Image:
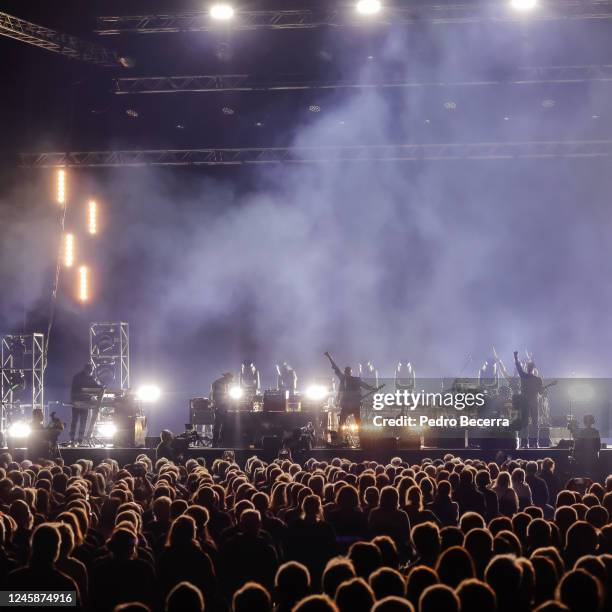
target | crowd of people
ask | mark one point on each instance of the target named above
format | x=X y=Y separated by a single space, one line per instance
x=446 y=535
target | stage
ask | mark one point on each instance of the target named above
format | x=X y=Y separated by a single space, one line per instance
x=128 y=455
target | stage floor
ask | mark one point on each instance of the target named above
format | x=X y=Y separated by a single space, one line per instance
x=128 y=455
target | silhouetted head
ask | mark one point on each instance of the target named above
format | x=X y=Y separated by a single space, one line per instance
x=588 y=420
x=185 y=596
x=530 y=367
x=348 y=371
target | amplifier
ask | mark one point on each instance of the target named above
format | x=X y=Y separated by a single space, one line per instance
x=275 y=401
x=200 y=411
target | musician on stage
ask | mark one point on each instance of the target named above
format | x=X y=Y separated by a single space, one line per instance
x=249 y=379
x=531 y=388
x=81 y=401
x=42 y=441
x=349 y=392
x=286 y=379
x=219 y=397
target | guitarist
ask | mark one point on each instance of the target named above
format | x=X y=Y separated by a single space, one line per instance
x=349 y=393
x=531 y=388
x=80 y=398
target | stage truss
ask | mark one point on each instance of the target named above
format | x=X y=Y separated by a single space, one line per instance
x=109 y=352
x=416 y=12
x=22 y=374
x=57 y=42
x=362 y=153
x=531 y=75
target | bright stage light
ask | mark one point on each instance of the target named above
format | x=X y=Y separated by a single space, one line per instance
x=316 y=392
x=236 y=392
x=105 y=429
x=83 y=283
x=523 y=5
x=148 y=394
x=368 y=7
x=222 y=11
x=92 y=217
x=19 y=430
x=61 y=186
x=69 y=250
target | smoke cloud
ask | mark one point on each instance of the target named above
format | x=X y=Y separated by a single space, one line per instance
x=429 y=262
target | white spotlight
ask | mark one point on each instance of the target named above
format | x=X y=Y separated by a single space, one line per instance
x=19 y=430
x=148 y=394
x=221 y=11
x=523 y=5
x=236 y=392
x=368 y=7
x=316 y=393
x=106 y=429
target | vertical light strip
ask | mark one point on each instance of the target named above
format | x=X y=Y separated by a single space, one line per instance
x=69 y=250
x=61 y=186
x=83 y=284
x=92 y=217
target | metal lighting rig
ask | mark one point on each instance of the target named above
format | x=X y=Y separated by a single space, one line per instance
x=356 y=153
x=22 y=375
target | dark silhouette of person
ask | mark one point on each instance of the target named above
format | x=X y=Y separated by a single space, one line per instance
x=504 y=575
x=366 y=558
x=531 y=387
x=291 y=584
x=347 y=518
x=316 y=603
x=426 y=541
x=219 y=397
x=587 y=444
x=455 y=565
x=252 y=597
x=120 y=576
x=546 y=579
x=418 y=579
x=81 y=401
x=247 y=556
x=41 y=573
x=388 y=519
x=337 y=571
x=184 y=596
x=445 y=509
x=354 y=595
x=183 y=560
x=467 y=496
x=579 y=591
x=386 y=582
x=310 y=539
x=549 y=476
x=483 y=484
x=479 y=543
x=476 y=595
x=439 y=597
x=581 y=539
x=349 y=393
